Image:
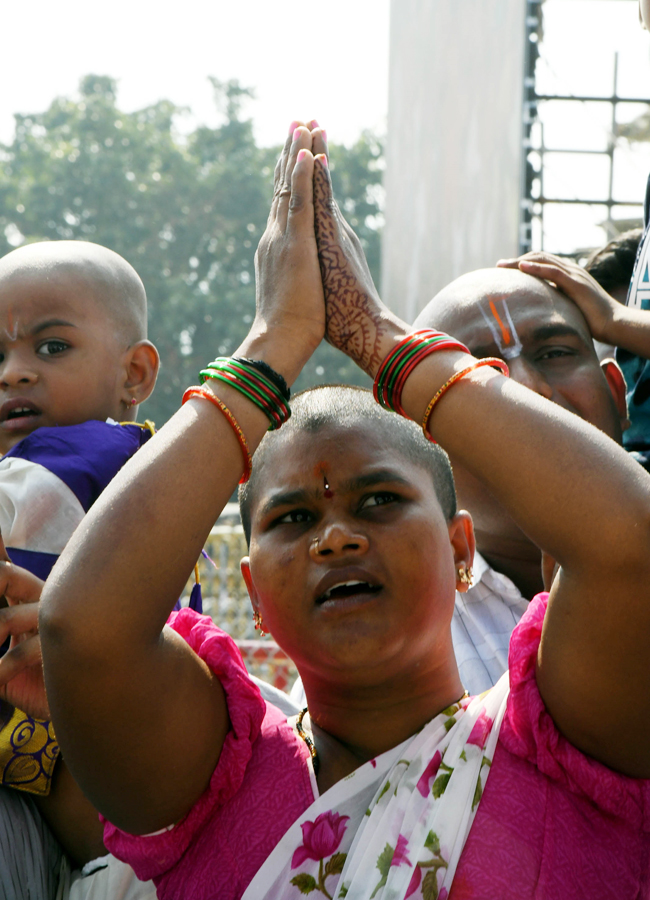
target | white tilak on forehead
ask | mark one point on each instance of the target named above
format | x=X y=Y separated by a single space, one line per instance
x=502 y=328
x=14 y=325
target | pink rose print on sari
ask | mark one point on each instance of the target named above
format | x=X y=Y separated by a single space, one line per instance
x=481 y=730
x=429 y=774
x=426 y=872
x=320 y=839
x=391 y=857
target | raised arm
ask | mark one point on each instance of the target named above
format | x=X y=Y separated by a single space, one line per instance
x=134 y=708
x=575 y=493
x=609 y=321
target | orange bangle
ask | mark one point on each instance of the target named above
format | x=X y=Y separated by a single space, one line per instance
x=488 y=361
x=232 y=421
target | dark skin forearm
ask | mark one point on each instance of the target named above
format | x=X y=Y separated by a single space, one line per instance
x=572 y=490
x=125 y=692
x=72 y=818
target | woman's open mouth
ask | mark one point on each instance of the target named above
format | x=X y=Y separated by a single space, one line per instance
x=345 y=592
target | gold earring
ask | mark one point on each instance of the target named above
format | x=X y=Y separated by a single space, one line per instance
x=259 y=622
x=465 y=575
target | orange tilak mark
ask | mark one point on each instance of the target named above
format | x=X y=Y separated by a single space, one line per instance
x=504 y=328
x=12 y=330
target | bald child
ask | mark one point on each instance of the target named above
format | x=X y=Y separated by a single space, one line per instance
x=74 y=363
x=73 y=352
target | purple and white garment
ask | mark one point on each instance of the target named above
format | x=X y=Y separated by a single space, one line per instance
x=49 y=481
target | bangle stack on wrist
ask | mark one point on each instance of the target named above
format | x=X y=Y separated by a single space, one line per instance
x=401 y=361
x=256 y=380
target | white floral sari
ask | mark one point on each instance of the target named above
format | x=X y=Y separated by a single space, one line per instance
x=395 y=827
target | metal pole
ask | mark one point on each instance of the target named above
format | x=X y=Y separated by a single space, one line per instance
x=611 y=146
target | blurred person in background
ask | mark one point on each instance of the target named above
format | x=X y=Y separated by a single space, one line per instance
x=613 y=266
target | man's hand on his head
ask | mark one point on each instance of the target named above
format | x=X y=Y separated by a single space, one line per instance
x=596 y=305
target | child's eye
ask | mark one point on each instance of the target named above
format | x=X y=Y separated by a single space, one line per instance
x=52 y=347
x=381 y=498
x=295 y=517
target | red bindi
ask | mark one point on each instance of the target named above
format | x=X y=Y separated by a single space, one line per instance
x=327 y=490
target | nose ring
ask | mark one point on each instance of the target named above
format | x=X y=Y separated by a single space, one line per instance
x=315 y=544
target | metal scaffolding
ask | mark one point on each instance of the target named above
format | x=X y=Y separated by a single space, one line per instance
x=533 y=197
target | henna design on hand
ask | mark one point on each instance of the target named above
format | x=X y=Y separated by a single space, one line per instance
x=354 y=313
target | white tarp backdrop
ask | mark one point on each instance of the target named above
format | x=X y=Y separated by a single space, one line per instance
x=453 y=154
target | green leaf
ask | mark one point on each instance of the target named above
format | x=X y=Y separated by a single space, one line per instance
x=432 y=842
x=430 y=886
x=463 y=756
x=385 y=788
x=440 y=784
x=383 y=864
x=478 y=793
x=335 y=864
x=304 y=882
x=344 y=891
x=385 y=859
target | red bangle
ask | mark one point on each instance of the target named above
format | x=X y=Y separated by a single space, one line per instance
x=403 y=358
x=488 y=361
x=206 y=394
x=423 y=352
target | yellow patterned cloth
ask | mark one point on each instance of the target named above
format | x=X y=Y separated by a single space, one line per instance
x=28 y=751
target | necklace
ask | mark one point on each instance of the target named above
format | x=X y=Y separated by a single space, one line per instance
x=310 y=744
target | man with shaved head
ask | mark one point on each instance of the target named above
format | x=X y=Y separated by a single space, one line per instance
x=545 y=340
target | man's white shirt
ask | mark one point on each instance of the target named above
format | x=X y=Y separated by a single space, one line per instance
x=483 y=621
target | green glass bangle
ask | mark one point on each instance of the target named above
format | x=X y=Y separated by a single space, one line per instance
x=249 y=372
x=414 y=347
x=276 y=412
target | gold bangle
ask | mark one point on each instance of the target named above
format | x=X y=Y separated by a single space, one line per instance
x=488 y=361
x=200 y=391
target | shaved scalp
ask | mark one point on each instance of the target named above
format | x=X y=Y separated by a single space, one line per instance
x=110 y=280
x=335 y=405
x=476 y=287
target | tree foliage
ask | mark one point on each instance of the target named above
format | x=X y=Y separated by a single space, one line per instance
x=186 y=210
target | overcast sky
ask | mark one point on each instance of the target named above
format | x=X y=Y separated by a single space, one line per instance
x=328 y=60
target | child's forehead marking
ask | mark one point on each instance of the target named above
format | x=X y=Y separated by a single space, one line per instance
x=498 y=319
x=13 y=323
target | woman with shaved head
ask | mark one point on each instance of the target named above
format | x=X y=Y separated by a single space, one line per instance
x=392 y=782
